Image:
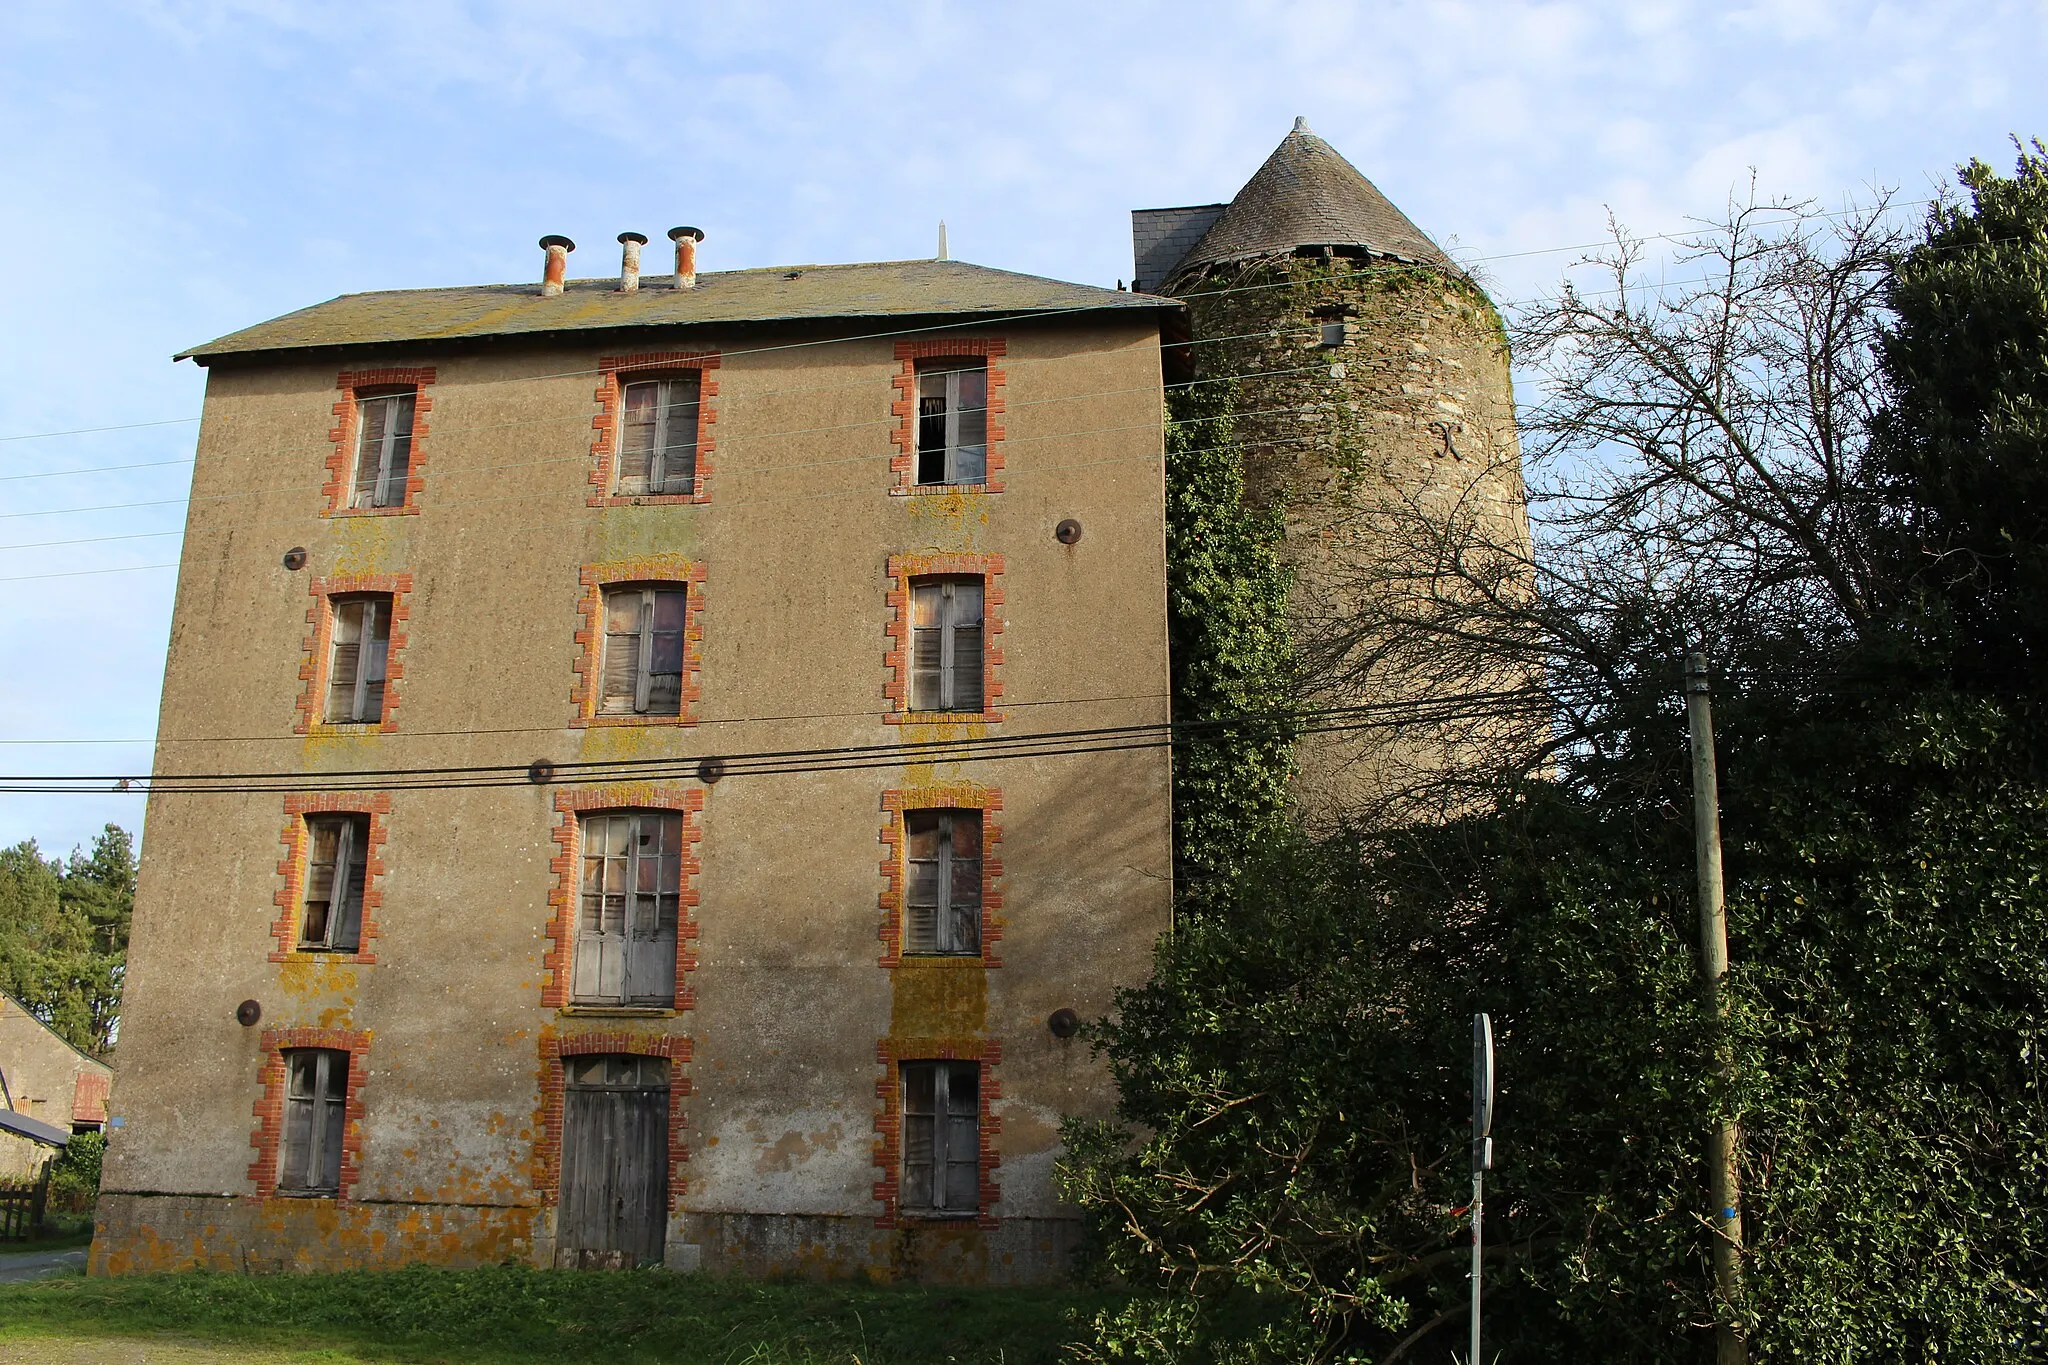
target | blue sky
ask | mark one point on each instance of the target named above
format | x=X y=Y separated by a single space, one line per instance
x=172 y=172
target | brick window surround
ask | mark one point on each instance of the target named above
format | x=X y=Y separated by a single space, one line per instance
x=547 y=1146
x=615 y=372
x=341 y=460
x=657 y=569
x=903 y=568
x=289 y=898
x=891 y=1053
x=319 y=640
x=950 y=796
x=269 y=1135
x=563 y=893
x=903 y=464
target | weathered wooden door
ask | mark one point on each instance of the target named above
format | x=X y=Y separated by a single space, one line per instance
x=614 y=1196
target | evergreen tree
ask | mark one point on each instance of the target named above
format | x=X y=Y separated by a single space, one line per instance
x=64 y=935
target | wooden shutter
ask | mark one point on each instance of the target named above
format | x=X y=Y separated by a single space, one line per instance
x=352 y=864
x=941 y=1137
x=316 y=1115
x=965 y=662
x=614 y=1178
x=345 y=659
x=678 y=451
x=623 y=629
x=639 y=436
x=922 y=888
x=927 y=644
x=323 y=854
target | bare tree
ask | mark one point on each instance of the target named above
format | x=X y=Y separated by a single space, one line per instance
x=1694 y=459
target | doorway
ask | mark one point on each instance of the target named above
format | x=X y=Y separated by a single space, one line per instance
x=614 y=1196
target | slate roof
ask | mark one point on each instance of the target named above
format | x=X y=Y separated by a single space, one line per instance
x=1308 y=195
x=885 y=289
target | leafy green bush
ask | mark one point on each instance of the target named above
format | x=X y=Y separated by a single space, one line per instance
x=75 y=1175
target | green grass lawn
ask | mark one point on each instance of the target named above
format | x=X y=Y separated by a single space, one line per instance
x=516 y=1316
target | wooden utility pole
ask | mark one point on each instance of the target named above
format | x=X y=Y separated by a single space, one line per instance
x=1725 y=1192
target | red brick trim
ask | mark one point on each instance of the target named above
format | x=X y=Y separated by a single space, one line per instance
x=903 y=464
x=903 y=568
x=590 y=635
x=292 y=868
x=561 y=930
x=613 y=370
x=269 y=1134
x=320 y=635
x=890 y=1052
x=952 y=796
x=343 y=435
x=547 y=1146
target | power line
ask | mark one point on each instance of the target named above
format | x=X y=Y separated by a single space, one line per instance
x=1440 y=709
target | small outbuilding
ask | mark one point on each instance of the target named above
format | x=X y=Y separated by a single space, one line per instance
x=49 y=1090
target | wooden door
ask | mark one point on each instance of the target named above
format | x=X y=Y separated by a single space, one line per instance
x=614 y=1192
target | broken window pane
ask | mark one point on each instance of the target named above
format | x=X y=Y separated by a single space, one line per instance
x=952 y=421
x=658 y=436
x=941 y=1137
x=631 y=896
x=315 y=1120
x=644 y=645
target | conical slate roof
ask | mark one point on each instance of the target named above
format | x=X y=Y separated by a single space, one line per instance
x=1308 y=195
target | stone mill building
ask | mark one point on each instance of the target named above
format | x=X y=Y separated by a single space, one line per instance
x=653 y=767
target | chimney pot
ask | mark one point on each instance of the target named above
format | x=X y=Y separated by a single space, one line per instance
x=629 y=261
x=557 y=267
x=686 y=239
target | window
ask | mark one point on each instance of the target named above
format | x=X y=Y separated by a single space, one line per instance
x=941 y=1137
x=355 y=667
x=942 y=910
x=625 y=950
x=383 y=449
x=952 y=421
x=946 y=638
x=658 y=436
x=643 y=651
x=315 y=1105
x=332 y=918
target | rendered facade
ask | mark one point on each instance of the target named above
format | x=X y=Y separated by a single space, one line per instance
x=651 y=768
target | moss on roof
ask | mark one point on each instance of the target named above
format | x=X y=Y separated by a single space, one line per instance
x=783 y=294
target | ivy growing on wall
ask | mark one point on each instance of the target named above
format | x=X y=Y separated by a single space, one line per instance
x=1227 y=621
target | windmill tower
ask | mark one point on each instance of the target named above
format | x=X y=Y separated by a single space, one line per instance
x=1373 y=407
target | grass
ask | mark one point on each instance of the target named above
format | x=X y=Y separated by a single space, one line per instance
x=513 y=1316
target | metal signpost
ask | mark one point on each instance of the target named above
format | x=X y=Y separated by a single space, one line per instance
x=1482 y=1152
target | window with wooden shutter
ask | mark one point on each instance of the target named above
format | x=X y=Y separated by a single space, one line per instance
x=625 y=951
x=946 y=644
x=337 y=861
x=952 y=421
x=642 y=668
x=658 y=436
x=942 y=901
x=356 y=659
x=941 y=1138
x=383 y=449
x=315 y=1118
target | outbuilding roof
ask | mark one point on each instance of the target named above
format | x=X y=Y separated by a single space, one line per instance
x=884 y=289
x=1307 y=195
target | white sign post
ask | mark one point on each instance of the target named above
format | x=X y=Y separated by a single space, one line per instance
x=1482 y=1152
